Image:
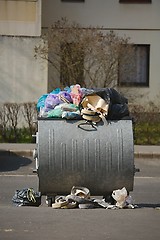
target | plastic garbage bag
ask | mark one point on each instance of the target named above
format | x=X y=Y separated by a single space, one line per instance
x=118 y=111
x=120 y=196
x=27 y=197
x=65 y=97
x=41 y=102
x=53 y=100
x=56 y=91
x=70 y=107
x=71 y=115
x=55 y=113
x=76 y=94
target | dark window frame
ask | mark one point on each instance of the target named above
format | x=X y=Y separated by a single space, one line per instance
x=139 y=84
x=135 y=1
x=75 y=1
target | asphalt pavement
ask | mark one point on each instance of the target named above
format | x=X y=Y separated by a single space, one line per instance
x=40 y=223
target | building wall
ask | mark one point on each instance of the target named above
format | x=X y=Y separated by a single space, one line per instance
x=22 y=77
x=106 y=13
x=140 y=22
x=20 y=17
x=151 y=93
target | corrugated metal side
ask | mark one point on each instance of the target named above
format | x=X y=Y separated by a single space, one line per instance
x=101 y=159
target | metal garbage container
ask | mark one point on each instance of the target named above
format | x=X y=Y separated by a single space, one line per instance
x=71 y=153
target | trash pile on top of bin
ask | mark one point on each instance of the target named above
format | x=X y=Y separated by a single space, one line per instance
x=75 y=102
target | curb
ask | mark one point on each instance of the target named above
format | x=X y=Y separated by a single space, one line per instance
x=146 y=155
x=144 y=151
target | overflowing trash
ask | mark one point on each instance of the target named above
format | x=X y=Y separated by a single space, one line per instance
x=80 y=198
x=75 y=102
x=92 y=106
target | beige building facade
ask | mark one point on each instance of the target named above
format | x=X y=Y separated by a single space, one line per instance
x=139 y=20
x=27 y=19
x=22 y=77
x=20 y=17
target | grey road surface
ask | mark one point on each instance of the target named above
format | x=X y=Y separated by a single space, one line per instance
x=38 y=223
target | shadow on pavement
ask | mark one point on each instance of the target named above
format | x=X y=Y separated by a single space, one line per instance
x=11 y=161
x=148 y=205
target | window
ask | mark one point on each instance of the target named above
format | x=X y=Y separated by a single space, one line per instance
x=72 y=0
x=72 y=64
x=135 y=1
x=137 y=73
x=21 y=0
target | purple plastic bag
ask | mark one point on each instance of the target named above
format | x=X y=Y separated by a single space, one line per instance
x=53 y=100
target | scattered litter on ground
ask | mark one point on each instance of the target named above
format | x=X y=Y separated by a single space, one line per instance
x=26 y=197
x=157 y=208
x=80 y=198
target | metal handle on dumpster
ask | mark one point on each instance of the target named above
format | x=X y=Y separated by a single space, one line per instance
x=87 y=126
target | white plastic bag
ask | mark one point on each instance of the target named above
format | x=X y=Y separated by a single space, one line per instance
x=120 y=196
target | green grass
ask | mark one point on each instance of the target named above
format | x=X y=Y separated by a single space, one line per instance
x=22 y=135
x=147 y=133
